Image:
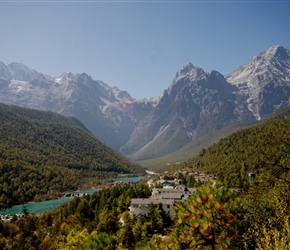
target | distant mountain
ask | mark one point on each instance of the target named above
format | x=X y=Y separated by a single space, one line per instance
x=102 y=109
x=195 y=104
x=17 y=71
x=42 y=151
x=264 y=83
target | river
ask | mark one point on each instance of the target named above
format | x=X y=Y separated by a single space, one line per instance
x=39 y=207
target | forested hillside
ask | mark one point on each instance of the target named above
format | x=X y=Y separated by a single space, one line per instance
x=43 y=153
x=214 y=218
x=231 y=212
x=262 y=150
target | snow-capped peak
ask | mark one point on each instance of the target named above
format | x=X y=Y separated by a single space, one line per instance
x=278 y=52
x=122 y=95
x=17 y=71
x=66 y=74
x=267 y=61
x=270 y=70
x=151 y=100
x=271 y=52
x=189 y=72
x=275 y=52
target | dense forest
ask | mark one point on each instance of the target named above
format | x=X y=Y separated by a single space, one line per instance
x=233 y=211
x=43 y=154
x=261 y=150
x=214 y=218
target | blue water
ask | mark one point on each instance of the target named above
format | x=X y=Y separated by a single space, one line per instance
x=130 y=179
x=37 y=207
x=40 y=207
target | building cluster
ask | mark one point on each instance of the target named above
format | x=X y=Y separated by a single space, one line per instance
x=167 y=196
x=73 y=194
x=168 y=193
x=7 y=217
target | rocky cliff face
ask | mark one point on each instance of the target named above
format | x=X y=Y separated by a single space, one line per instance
x=17 y=71
x=195 y=104
x=264 y=83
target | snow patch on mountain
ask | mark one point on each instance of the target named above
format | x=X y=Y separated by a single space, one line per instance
x=19 y=86
x=188 y=71
x=152 y=101
x=267 y=72
x=194 y=104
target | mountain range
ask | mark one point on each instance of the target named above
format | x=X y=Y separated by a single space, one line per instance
x=195 y=104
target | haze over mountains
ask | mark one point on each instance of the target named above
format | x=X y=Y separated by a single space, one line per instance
x=196 y=103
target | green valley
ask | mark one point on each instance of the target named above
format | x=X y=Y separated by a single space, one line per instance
x=244 y=205
x=43 y=154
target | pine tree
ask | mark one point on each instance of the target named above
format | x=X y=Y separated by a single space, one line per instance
x=211 y=219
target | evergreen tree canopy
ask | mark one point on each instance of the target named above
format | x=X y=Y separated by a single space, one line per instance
x=43 y=153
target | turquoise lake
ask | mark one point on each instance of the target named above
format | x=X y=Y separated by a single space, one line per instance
x=129 y=179
x=39 y=207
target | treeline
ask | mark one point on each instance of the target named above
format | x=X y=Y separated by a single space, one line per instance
x=43 y=153
x=262 y=150
x=20 y=184
x=84 y=221
x=214 y=218
x=232 y=212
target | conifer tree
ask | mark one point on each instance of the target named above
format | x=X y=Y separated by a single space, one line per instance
x=211 y=219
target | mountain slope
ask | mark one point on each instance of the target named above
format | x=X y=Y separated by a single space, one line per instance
x=17 y=71
x=260 y=149
x=195 y=104
x=199 y=103
x=51 y=152
x=102 y=109
x=264 y=83
x=187 y=152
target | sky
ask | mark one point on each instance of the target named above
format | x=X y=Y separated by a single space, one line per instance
x=139 y=46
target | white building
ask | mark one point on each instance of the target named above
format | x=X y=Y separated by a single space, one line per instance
x=139 y=206
x=166 y=196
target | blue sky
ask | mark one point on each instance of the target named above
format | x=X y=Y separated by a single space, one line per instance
x=139 y=46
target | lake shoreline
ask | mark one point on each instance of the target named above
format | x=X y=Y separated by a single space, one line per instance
x=45 y=205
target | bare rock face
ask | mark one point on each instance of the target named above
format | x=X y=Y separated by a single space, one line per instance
x=102 y=109
x=264 y=83
x=195 y=104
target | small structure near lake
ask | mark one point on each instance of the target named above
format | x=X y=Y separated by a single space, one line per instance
x=140 y=206
x=166 y=196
